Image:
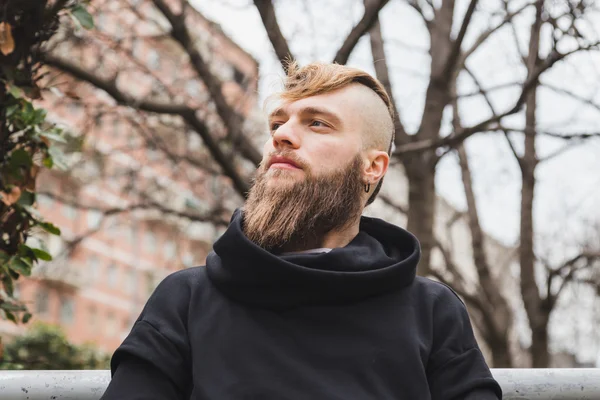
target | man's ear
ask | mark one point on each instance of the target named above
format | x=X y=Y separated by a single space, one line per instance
x=376 y=167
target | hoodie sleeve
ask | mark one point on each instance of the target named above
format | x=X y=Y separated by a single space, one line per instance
x=456 y=368
x=153 y=362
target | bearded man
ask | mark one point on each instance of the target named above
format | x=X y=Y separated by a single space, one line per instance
x=302 y=297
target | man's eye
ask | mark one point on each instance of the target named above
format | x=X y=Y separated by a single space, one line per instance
x=322 y=124
x=275 y=125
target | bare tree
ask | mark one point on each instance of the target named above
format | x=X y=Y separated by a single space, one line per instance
x=166 y=116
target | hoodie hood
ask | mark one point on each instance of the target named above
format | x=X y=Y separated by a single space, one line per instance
x=380 y=259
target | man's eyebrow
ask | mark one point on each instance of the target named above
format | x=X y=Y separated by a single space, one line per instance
x=280 y=112
x=322 y=111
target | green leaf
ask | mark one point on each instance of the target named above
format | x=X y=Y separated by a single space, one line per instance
x=8 y=285
x=58 y=158
x=20 y=158
x=50 y=228
x=41 y=254
x=27 y=198
x=39 y=116
x=54 y=136
x=26 y=251
x=26 y=317
x=9 y=315
x=11 y=110
x=20 y=265
x=48 y=163
x=15 y=91
x=9 y=307
x=83 y=16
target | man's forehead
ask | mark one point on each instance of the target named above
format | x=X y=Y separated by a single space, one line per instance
x=333 y=102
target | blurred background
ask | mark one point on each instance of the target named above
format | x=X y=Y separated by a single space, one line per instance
x=153 y=127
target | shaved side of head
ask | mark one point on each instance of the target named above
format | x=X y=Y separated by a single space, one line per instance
x=378 y=128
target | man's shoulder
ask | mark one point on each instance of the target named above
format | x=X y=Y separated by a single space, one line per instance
x=181 y=283
x=188 y=276
x=436 y=291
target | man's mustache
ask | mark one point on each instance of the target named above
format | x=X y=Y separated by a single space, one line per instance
x=289 y=155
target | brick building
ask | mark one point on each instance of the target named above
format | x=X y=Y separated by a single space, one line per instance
x=107 y=264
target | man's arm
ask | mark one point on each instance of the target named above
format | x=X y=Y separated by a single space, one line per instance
x=153 y=362
x=456 y=368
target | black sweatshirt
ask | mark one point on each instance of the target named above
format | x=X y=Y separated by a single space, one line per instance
x=351 y=324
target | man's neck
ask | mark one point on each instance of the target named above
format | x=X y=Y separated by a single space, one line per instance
x=331 y=240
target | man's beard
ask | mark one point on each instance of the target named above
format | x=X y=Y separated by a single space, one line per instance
x=298 y=215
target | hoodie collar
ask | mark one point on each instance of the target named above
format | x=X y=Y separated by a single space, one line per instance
x=381 y=258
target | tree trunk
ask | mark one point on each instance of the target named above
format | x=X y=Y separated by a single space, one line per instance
x=538 y=318
x=498 y=316
x=421 y=200
x=420 y=167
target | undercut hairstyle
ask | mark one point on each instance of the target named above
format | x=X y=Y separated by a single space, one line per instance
x=320 y=78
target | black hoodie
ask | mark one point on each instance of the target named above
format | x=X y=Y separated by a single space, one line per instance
x=353 y=323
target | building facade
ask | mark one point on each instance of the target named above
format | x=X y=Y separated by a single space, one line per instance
x=115 y=248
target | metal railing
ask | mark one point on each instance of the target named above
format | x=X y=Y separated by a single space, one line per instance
x=517 y=384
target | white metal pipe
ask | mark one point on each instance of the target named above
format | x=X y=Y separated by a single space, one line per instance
x=551 y=383
x=517 y=384
x=50 y=385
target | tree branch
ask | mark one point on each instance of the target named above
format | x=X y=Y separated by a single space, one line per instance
x=564 y=136
x=110 y=87
x=493 y=111
x=486 y=34
x=231 y=119
x=528 y=85
x=571 y=94
x=187 y=113
x=388 y=200
x=569 y=265
x=363 y=26
x=269 y=19
x=211 y=216
x=481 y=91
x=453 y=57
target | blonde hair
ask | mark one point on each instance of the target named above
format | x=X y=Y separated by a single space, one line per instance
x=319 y=78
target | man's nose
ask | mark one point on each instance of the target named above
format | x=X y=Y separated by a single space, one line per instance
x=286 y=136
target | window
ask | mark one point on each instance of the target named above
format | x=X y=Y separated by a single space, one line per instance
x=67 y=310
x=194 y=142
x=169 y=250
x=111 y=275
x=131 y=281
x=153 y=154
x=41 y=301
x=132 y=233
x=69 y=211
x=94 y=267
x=150 y=242
x=93 y=219
x=45 y=200
x=149 y=283
x=111 y=324
x=93 y=318
x=153 y=59
x=188 y=260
